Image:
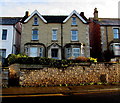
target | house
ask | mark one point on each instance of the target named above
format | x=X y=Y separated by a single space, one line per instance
x=104 y=36
x=10 y=33
x=59 y=37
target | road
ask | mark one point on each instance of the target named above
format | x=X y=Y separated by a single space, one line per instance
x=91 y=97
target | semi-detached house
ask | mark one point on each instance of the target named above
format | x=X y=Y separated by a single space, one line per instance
x=59 y=37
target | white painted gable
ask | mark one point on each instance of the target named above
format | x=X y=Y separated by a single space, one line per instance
x=35 y=12
x=74 y=12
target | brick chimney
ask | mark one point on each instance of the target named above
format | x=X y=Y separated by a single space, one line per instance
x=95 y=14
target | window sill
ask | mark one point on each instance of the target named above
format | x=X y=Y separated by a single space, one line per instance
x=35 y=25
x=74 y=25
x=34 y=40
x=54 y=40
x=74 y=40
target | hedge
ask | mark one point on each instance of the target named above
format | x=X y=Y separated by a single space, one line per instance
x=23 y=59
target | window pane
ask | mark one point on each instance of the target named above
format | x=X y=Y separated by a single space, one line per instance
x=54 y=34
x=68 y=52
x=35 y=35
x=4 y=34
x=76 y=52
x=116 y=33
x=41 y=52
x=3 y=53
x=74 y=35
x=74 y=21
x=33 y=51
x=35 y=21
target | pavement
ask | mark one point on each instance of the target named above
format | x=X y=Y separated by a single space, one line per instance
x=57 y=91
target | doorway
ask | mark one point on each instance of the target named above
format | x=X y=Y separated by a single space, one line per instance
x=54 y=53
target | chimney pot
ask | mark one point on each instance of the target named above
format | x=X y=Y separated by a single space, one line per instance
x=95 y=14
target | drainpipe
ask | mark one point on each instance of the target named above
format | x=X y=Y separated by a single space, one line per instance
x=107 y=36
x=62 y=52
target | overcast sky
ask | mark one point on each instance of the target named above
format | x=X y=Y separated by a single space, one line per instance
x=17 y=8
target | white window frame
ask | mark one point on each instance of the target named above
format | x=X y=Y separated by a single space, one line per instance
x=40 y=52
x=36 y=21
x=54 y=35
x=35 y=34
x=35 y=53
x=74 y=52
x=76 y=35
x=68 y=52
x=74 y=22
x=116 y=49
x=116 y=35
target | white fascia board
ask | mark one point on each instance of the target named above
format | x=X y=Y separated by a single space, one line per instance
x=35 y=12
x=74 y=12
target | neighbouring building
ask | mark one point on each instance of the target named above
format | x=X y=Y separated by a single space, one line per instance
x=104 y=36
x=59 y=37
x=10 y=33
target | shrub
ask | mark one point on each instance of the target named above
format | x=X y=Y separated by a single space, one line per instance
x=82 y=59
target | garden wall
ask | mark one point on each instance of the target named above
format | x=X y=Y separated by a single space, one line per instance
x=37 y=75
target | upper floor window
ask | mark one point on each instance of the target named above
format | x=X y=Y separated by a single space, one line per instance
x=74 y=35
x=4 y=34
x=35 y=21
x=34 y=34
x=116 y=33
x=54 y=34
x=74 y=21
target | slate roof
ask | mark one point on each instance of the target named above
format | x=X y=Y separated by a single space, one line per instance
x=109 y=21
x=9 y=20
x=55 y=19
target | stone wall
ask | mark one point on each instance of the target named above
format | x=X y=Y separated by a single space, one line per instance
x=36 y=75
x=4 y=72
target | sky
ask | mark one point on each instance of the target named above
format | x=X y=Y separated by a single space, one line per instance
x=17 y=8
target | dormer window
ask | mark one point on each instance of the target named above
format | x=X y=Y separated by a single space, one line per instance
x=35 y=21
x=74 y=21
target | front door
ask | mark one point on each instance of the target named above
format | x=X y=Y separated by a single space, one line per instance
x=54 y=53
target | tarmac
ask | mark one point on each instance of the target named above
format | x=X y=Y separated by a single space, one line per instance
x=57 y=91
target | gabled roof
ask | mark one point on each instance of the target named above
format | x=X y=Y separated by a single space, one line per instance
x=77 y=14
x=54 y=19
x=9 y=20
x=35 y=12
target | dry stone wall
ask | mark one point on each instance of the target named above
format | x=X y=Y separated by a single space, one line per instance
x=99 y=72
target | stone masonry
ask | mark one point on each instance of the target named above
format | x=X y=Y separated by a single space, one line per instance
x=32 y=75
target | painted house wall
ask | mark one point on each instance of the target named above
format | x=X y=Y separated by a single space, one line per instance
x=7 y=44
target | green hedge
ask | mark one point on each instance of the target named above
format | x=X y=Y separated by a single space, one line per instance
x=23 y=59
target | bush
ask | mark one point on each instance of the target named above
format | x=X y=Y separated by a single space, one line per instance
x=82 y=59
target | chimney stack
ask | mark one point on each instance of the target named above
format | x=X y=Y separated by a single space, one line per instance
x=27 y=13
x=95 y=14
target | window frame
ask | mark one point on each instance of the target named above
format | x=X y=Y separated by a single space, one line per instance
x=40 y=52
x=54 y=35
x=116 y=35
x=74 y=52
x=74 y=35
x=33 y=34
x=4 y=36
x=74 y=21
x=35 y=21
x=117 y=49
x=33 y=53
